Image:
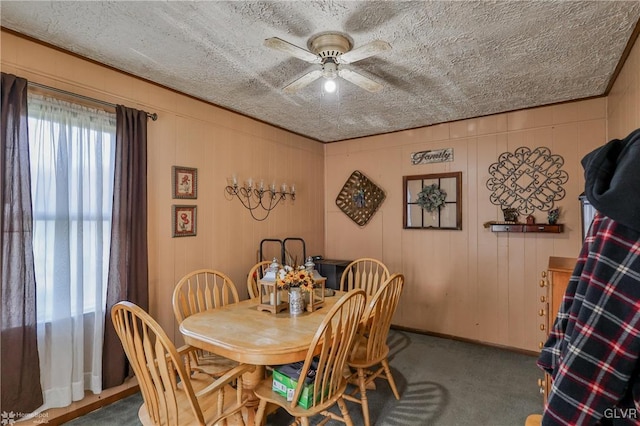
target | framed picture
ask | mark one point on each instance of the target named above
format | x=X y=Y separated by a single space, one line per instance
x=432 y=201
x=184 y=220
x=185 y=182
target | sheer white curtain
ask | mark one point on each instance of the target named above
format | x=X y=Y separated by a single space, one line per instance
x=72 y=166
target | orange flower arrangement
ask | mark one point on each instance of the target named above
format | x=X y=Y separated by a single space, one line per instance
x=290 y=277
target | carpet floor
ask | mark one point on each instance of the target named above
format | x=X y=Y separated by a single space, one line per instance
x=441 y=382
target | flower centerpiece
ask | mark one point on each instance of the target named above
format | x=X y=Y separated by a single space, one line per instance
x=294 y=277
x=431 y=198
x=295 y=280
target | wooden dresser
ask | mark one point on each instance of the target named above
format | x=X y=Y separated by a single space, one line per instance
x=553 y=282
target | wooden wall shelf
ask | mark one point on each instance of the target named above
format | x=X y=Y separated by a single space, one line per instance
x=523 y=227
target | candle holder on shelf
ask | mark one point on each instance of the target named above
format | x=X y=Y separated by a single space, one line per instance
x=270 y=296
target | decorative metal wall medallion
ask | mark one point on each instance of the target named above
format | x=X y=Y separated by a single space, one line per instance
x=527 y=180
x=360 y=198
x=432 y=156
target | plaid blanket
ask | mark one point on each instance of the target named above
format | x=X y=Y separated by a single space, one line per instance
x=594 y=346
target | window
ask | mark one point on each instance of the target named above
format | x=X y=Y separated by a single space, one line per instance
x=72 y=155
x=432 y=201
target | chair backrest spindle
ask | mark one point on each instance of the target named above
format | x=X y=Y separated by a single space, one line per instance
x=202 y=290
x=365 y=273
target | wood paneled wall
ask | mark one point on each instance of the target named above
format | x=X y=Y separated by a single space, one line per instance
x=472 y=283
x=215 y=141
x=623 y=102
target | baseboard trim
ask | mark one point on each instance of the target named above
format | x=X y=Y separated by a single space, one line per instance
x=86 y=409
x=91 y=402
x=466 y=340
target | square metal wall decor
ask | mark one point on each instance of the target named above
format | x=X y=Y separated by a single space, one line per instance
x=527 y=180
x=360 y=198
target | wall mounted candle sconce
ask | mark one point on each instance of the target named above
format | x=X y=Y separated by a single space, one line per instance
x=257 y=198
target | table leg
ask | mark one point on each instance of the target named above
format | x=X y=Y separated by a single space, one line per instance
x=249 y=382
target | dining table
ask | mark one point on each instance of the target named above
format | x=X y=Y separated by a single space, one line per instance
x=243 y=333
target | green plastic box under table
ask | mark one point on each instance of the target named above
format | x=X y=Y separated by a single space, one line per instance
x=285 y=381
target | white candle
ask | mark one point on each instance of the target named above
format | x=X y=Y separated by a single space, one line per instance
x=284 y=187
x=272 y=298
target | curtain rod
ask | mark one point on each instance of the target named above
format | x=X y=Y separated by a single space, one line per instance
x=152 y=116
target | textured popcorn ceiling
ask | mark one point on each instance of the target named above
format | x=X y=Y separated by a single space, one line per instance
x=449 y=60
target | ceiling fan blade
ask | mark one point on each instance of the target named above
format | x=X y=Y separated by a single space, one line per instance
x=364 y=51
x=303 y=81
x=360 y=80
x=293 y=50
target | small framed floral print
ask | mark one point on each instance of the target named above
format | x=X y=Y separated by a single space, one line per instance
x=185 y=182
x=184 y=220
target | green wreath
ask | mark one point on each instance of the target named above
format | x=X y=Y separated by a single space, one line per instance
x=431 y=198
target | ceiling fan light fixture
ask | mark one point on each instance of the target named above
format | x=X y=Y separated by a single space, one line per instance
x=329 y=69
x=330 y=85
x=331 y=50
x=329 y=44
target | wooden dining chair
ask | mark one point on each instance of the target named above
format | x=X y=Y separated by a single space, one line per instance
x=329 y=349
x=199 y=291
x=365 y=273
x=256 y=272
x=370 y=348
x=171 y=394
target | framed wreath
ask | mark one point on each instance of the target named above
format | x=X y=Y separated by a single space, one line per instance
x=432 y=201
x=431 y=198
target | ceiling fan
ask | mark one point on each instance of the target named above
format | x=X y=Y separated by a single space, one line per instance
x=331 y=50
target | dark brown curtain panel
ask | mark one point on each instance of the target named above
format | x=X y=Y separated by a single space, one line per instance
x=21 y=391
x=128 y=262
